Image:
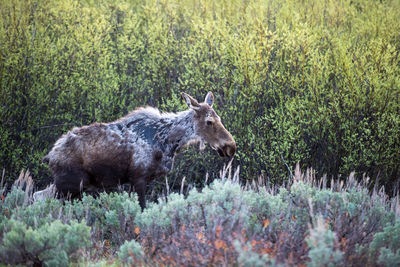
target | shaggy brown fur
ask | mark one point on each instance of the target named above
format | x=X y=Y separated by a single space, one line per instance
x=134 y=149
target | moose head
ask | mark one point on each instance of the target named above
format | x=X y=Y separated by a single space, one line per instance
x=209 y=127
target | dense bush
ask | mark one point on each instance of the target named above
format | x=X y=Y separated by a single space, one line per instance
x=314 y=82
x=303 y=222
x=50 y=244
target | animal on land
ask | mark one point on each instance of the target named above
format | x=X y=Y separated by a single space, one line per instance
x=134 y=149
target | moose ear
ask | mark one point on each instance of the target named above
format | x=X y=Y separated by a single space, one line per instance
x=209 y=99
x=191 y=102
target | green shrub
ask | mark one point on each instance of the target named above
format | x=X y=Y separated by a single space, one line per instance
x=111 y=216
x=51 y=244
x=130 y=252
x=322 y=242
x=225 y=217
x=386 y=245
x=303 y=222
x=314 y=82
x=389 y=258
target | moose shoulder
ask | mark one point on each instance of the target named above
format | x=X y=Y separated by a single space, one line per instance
x=134 y=149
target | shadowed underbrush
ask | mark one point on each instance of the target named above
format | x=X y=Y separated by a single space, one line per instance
x=226 y=223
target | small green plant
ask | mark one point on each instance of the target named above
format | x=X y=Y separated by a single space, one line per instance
x=323 y=246
x=130 y=253
x=247 y=257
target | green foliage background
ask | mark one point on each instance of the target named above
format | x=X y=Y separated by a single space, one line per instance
x=315 y=82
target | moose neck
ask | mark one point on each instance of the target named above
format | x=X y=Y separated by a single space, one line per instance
x=179 y=133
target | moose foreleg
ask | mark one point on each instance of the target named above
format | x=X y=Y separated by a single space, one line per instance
x=70 y=181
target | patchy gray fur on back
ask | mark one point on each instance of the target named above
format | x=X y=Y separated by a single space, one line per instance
x=153 y=131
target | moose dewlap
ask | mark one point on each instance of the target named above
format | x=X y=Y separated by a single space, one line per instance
x=134 y=149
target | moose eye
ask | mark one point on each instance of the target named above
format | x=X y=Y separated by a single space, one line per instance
x=209 y=123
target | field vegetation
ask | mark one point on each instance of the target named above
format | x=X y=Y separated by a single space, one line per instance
x=226 y=223
x=312 y=82
x=315 y=82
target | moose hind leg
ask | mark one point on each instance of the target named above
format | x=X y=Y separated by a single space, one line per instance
x=71 y=182
x=140 y=189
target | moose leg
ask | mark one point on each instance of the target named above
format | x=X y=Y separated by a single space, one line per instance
x=70 y=181
x=140 y=189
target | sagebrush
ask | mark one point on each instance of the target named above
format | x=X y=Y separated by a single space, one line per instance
x=225 y=223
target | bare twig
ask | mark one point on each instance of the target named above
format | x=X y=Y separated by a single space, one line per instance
x=287 y=166
x=166 y=183
x=182 y=184
x=2 y=178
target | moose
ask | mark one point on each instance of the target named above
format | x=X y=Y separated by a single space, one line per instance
x=134 y=149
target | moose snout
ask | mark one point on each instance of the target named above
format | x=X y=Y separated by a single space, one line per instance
x=227 y=150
